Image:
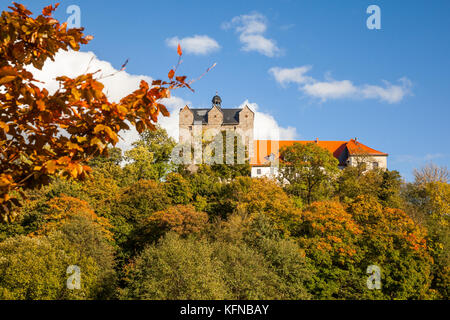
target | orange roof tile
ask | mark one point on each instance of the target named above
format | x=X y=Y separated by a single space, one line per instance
x=263 y=148
x=357 y=148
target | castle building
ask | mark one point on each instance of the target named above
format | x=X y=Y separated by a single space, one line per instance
x=207 y=123
x=348 y=153
x=210 y=121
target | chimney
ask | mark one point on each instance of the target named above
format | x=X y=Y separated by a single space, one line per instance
x=317 y=140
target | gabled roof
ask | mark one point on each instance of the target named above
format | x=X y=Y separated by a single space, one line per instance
x=263 y=148
x=230 y=116
x=355 y=147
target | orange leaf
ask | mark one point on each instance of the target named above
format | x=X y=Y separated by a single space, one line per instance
x=171 y=74
x=41 y=105
x=47 y=11
x=164 y=110
x=179 y=50
x=11 y=78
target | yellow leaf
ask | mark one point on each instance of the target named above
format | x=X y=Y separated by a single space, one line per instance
x=51 y=166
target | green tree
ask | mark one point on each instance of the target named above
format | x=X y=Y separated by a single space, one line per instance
x=35 y=267
x=259 y=262
x=150 y=156
x=175 y=269
x=428 y=202
x=178 y=189
x=394 y=242
x=140 y=165
x=357 y=181
x=141 y=199
x=308 y=171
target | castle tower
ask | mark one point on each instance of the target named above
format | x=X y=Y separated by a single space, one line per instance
x=216 y=119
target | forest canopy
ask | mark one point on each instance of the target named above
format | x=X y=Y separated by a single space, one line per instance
x=137 y=226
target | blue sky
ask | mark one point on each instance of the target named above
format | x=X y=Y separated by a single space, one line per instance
x=328 y=70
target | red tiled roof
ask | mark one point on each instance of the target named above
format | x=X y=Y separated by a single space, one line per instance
x=357 y=148
x=263 y=148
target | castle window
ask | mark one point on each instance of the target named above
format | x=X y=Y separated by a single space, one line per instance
x=375 y=165
x=258 y=172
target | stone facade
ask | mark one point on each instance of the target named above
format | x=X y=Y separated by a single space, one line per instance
x=211 y=121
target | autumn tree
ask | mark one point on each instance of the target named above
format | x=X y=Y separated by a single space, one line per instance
x=357 y=180
x=34 y=266
x=329 y=236
x=43 y=134
x=61 y=210
x=178 y=189
x=140 y=200
x=428 y=202
x=307 y=171
x=260 y=196
x=181 y=219
x=391 y=240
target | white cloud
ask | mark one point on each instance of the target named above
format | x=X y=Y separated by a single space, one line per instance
x=390 y=93
x=293 y=75
x=173 y=104
x=340 y=89
x=73 y=64
x=267 y=128
x=331 y=89
x=198 y=44
x=251 y=28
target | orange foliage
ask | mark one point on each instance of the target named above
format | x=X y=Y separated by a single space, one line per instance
x=329 y=228
x=387 y=223
x=63 y=209
x=32 y=146
x=265 y=196
x=181 y=219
